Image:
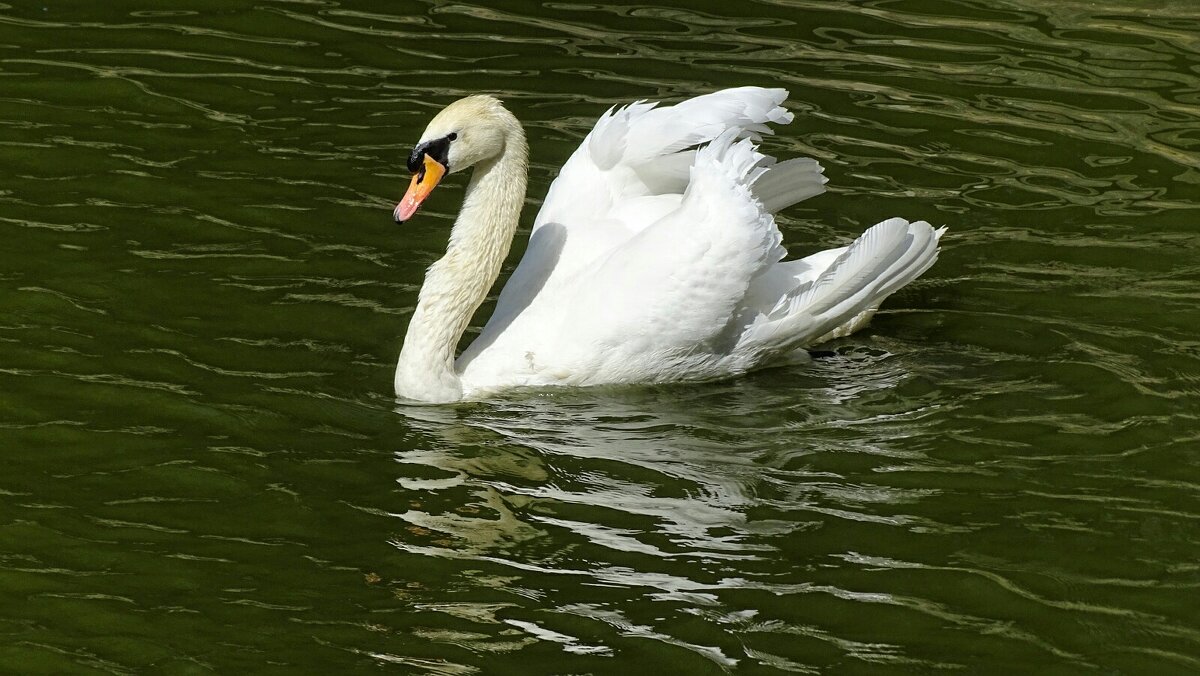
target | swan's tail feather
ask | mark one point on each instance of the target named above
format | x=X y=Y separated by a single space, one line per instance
x=789 y=182
x=846 y=294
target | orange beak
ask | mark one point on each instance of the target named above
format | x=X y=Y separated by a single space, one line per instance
x=423 y=183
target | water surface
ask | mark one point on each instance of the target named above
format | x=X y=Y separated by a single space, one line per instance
x=202 y=297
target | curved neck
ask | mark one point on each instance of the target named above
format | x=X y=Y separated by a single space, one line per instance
x=458 y=282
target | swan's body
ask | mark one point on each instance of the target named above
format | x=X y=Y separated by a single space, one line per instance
x=650 y=261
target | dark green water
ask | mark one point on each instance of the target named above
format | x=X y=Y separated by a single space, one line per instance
x=202 y=294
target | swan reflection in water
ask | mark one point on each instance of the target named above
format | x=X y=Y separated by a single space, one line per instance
x=668 y=471
x=679 y=494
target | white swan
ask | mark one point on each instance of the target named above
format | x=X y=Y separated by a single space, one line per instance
x=650 y=261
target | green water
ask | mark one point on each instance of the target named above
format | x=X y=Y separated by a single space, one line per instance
x=202 y=294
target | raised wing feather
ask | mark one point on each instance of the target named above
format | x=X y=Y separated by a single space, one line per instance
x=637 y=151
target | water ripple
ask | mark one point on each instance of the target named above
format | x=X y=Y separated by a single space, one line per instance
x=202 y=297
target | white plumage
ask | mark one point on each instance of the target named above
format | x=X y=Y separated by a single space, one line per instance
x=650 y=260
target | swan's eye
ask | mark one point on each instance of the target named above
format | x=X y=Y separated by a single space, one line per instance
x=452 y=135
x=438 y=149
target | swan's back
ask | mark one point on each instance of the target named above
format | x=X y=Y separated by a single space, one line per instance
x=653 y=261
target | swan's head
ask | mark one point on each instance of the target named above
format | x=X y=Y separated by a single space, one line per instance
x=465 y=133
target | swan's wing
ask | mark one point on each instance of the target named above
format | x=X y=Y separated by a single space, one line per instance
x=630 y=171
x=669 y=292
x=637 y=151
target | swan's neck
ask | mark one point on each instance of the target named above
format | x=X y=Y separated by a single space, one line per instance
x=458 y=282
